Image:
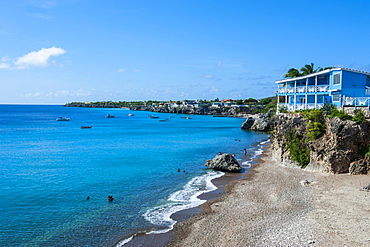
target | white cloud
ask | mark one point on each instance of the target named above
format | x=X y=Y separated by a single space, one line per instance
x=41 y=16
x=44 y=4
x=136 y=70
x=121 y=70
x=38 y=58
x=59 y=94
x=5 y=58
x=4 y=66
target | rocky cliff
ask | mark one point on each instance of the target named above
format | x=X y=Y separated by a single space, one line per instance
x=338 y=150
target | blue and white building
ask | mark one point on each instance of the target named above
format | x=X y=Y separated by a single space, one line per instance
x=340 y=86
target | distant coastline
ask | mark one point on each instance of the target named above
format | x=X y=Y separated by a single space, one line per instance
x=232 y=108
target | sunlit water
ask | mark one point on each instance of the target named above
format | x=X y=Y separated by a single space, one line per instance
x=49 y=168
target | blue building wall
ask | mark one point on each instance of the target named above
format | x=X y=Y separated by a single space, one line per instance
x=350 y=88
x=354 y=84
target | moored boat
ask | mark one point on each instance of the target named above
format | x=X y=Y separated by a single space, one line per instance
x=164 y=120
x=86 y=127
x=130 y=115
x=62 y=119
x=110 y=116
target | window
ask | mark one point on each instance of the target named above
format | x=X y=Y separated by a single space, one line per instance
x=336 y=79
x=336 y=97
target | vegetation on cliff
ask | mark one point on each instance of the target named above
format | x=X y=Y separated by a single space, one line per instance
x=327 y=139
x=298 y=149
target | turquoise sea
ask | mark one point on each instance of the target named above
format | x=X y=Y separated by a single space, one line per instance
x=49 y=168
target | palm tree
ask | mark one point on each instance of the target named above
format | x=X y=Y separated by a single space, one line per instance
x=293 y=72
x=306 y=70
x=309 y=69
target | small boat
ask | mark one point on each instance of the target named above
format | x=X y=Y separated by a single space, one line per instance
x=110 y=116
x=62 y=119
x=152 y=116
x=86 y=127
x=130 y=114
x=164 y=120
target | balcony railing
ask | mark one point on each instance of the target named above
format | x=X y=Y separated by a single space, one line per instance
x=304 y=89
x=359 y=101
x=300 y=106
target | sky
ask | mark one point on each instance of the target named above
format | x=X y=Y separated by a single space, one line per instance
x=61 y=51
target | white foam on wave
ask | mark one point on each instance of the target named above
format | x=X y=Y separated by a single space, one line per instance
x=183 y=199
x=255 y=154
x=125 y=241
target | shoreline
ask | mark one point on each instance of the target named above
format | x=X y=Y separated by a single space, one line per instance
x=271 y=206
x=162 y=239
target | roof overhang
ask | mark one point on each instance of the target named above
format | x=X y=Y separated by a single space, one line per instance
x=321 y=73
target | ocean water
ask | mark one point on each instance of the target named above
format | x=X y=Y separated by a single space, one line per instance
x=49 y=168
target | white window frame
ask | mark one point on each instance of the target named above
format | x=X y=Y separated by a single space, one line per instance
x=336 y=79
x=335 y=97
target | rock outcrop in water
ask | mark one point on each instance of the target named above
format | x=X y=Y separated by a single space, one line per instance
x=261 y=123
x=224 y=162
x=338 y=150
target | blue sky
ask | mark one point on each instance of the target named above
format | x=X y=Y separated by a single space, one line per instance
x=59 y=51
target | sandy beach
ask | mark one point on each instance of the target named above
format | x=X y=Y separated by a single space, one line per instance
x=271 y=206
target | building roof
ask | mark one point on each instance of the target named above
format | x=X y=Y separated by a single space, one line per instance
x=321 y=73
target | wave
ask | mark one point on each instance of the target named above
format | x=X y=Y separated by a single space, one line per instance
x=187 y=197
x=257 y=151
x=183 y=199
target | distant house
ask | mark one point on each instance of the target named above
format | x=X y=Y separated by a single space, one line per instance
x=340 y=86
x=217 y=104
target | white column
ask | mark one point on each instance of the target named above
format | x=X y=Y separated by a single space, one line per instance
x=295 y=95
x=306 y=99
x=315 y=92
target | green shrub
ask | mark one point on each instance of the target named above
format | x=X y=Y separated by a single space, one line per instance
x=328 y=109
x=364 y=151
x=298 y=149
x=359 y=116
x=316 y=123
x=341 y=114
x=283 y=109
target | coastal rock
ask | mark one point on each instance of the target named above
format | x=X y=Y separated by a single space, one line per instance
x=261 y=124
x=359 y=167
x=366 y=188
x=247 y=124
x=224 y=162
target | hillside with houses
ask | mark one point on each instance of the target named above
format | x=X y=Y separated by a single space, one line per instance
x=226 y=107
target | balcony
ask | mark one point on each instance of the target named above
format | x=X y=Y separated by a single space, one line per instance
x=304 y=89
x=300 y=106
x=358 y=101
